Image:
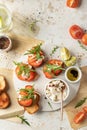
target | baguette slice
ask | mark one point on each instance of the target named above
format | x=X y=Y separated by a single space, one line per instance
x=4 y=100
x=35 y=106
x=2 y=83
x=32 y=109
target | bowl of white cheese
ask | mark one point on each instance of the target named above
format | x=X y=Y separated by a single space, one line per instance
x=54 y=88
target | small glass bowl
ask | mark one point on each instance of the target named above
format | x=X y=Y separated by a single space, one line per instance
x=67 y=90
x=76 y=69
x=5 y=18
x=5 y=43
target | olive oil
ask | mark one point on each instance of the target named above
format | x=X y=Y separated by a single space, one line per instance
x=72 y=74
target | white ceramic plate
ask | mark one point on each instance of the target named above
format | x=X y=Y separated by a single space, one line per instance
x=41 y=82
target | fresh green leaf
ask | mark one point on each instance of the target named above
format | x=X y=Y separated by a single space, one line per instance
x=30 y=93
x=81 y=102
x=35 y=50
x=50 y=105
x=82 y=46
x=24 y=69
x=51 y=67
x=17 y=63
x=54 y=50
x=23 y=120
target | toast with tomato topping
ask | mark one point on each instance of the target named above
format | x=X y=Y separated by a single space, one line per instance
x=29 y=98
x=2 y=83
x=35 y=106
x=4 y=100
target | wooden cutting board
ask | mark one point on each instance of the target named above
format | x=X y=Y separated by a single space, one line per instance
x=19 y=45
x=14 y=109
x=22 y=43
x=70 y=108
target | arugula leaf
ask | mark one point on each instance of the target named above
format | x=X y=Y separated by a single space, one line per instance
x=81 y=102
x=30 y=93
x=35 y=50
x=51 y=67
x=16 y=63
x=23 y=120
x=54 y=50
x=23 y=68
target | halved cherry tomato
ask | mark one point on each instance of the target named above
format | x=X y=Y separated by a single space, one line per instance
x=23 y=93
x=22 y=74
x=28 y=87
x=85 y=109
x=26 y=102
x=84 y=39
x=25 y=97
x=76 y=32
x=34 y=61
x=73 y=3
x=53 y=68
x=80 y=116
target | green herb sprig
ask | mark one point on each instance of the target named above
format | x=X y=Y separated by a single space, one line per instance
x=54 y=50
x=35 y=50
x=23 y=120
x=30 y=93
x=23 y=68
x=82 y=46
x=50 y=105
x=81 y=102
x=51 y=67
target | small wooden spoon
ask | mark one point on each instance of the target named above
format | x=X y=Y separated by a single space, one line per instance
x=61 y=90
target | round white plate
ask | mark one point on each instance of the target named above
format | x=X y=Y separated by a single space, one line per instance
x=41 y=82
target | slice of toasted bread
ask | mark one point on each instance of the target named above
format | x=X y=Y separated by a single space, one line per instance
x=4 y=100
x=37 y=98
x=2 y=83
x=35 y=106
x=32 y=109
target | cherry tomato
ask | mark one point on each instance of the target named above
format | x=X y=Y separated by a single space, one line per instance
x=85 y=109
x=53 y=68
x=28 y=87
x=24 y=75
x=25 y=102
x=84 y=39
x=23 y=93
x=79 y=117
x=73 y=3
x=34 y=61
x=76 y=32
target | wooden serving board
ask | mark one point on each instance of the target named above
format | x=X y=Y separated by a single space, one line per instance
x=14 y=109
x=20 y=45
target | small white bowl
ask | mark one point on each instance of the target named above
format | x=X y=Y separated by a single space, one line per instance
x=4 y=38
x=55 y=92
x=76 y=73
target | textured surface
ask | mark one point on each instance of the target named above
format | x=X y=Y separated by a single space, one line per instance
x=54 y=20
x=14 y=108
x=70 y=109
